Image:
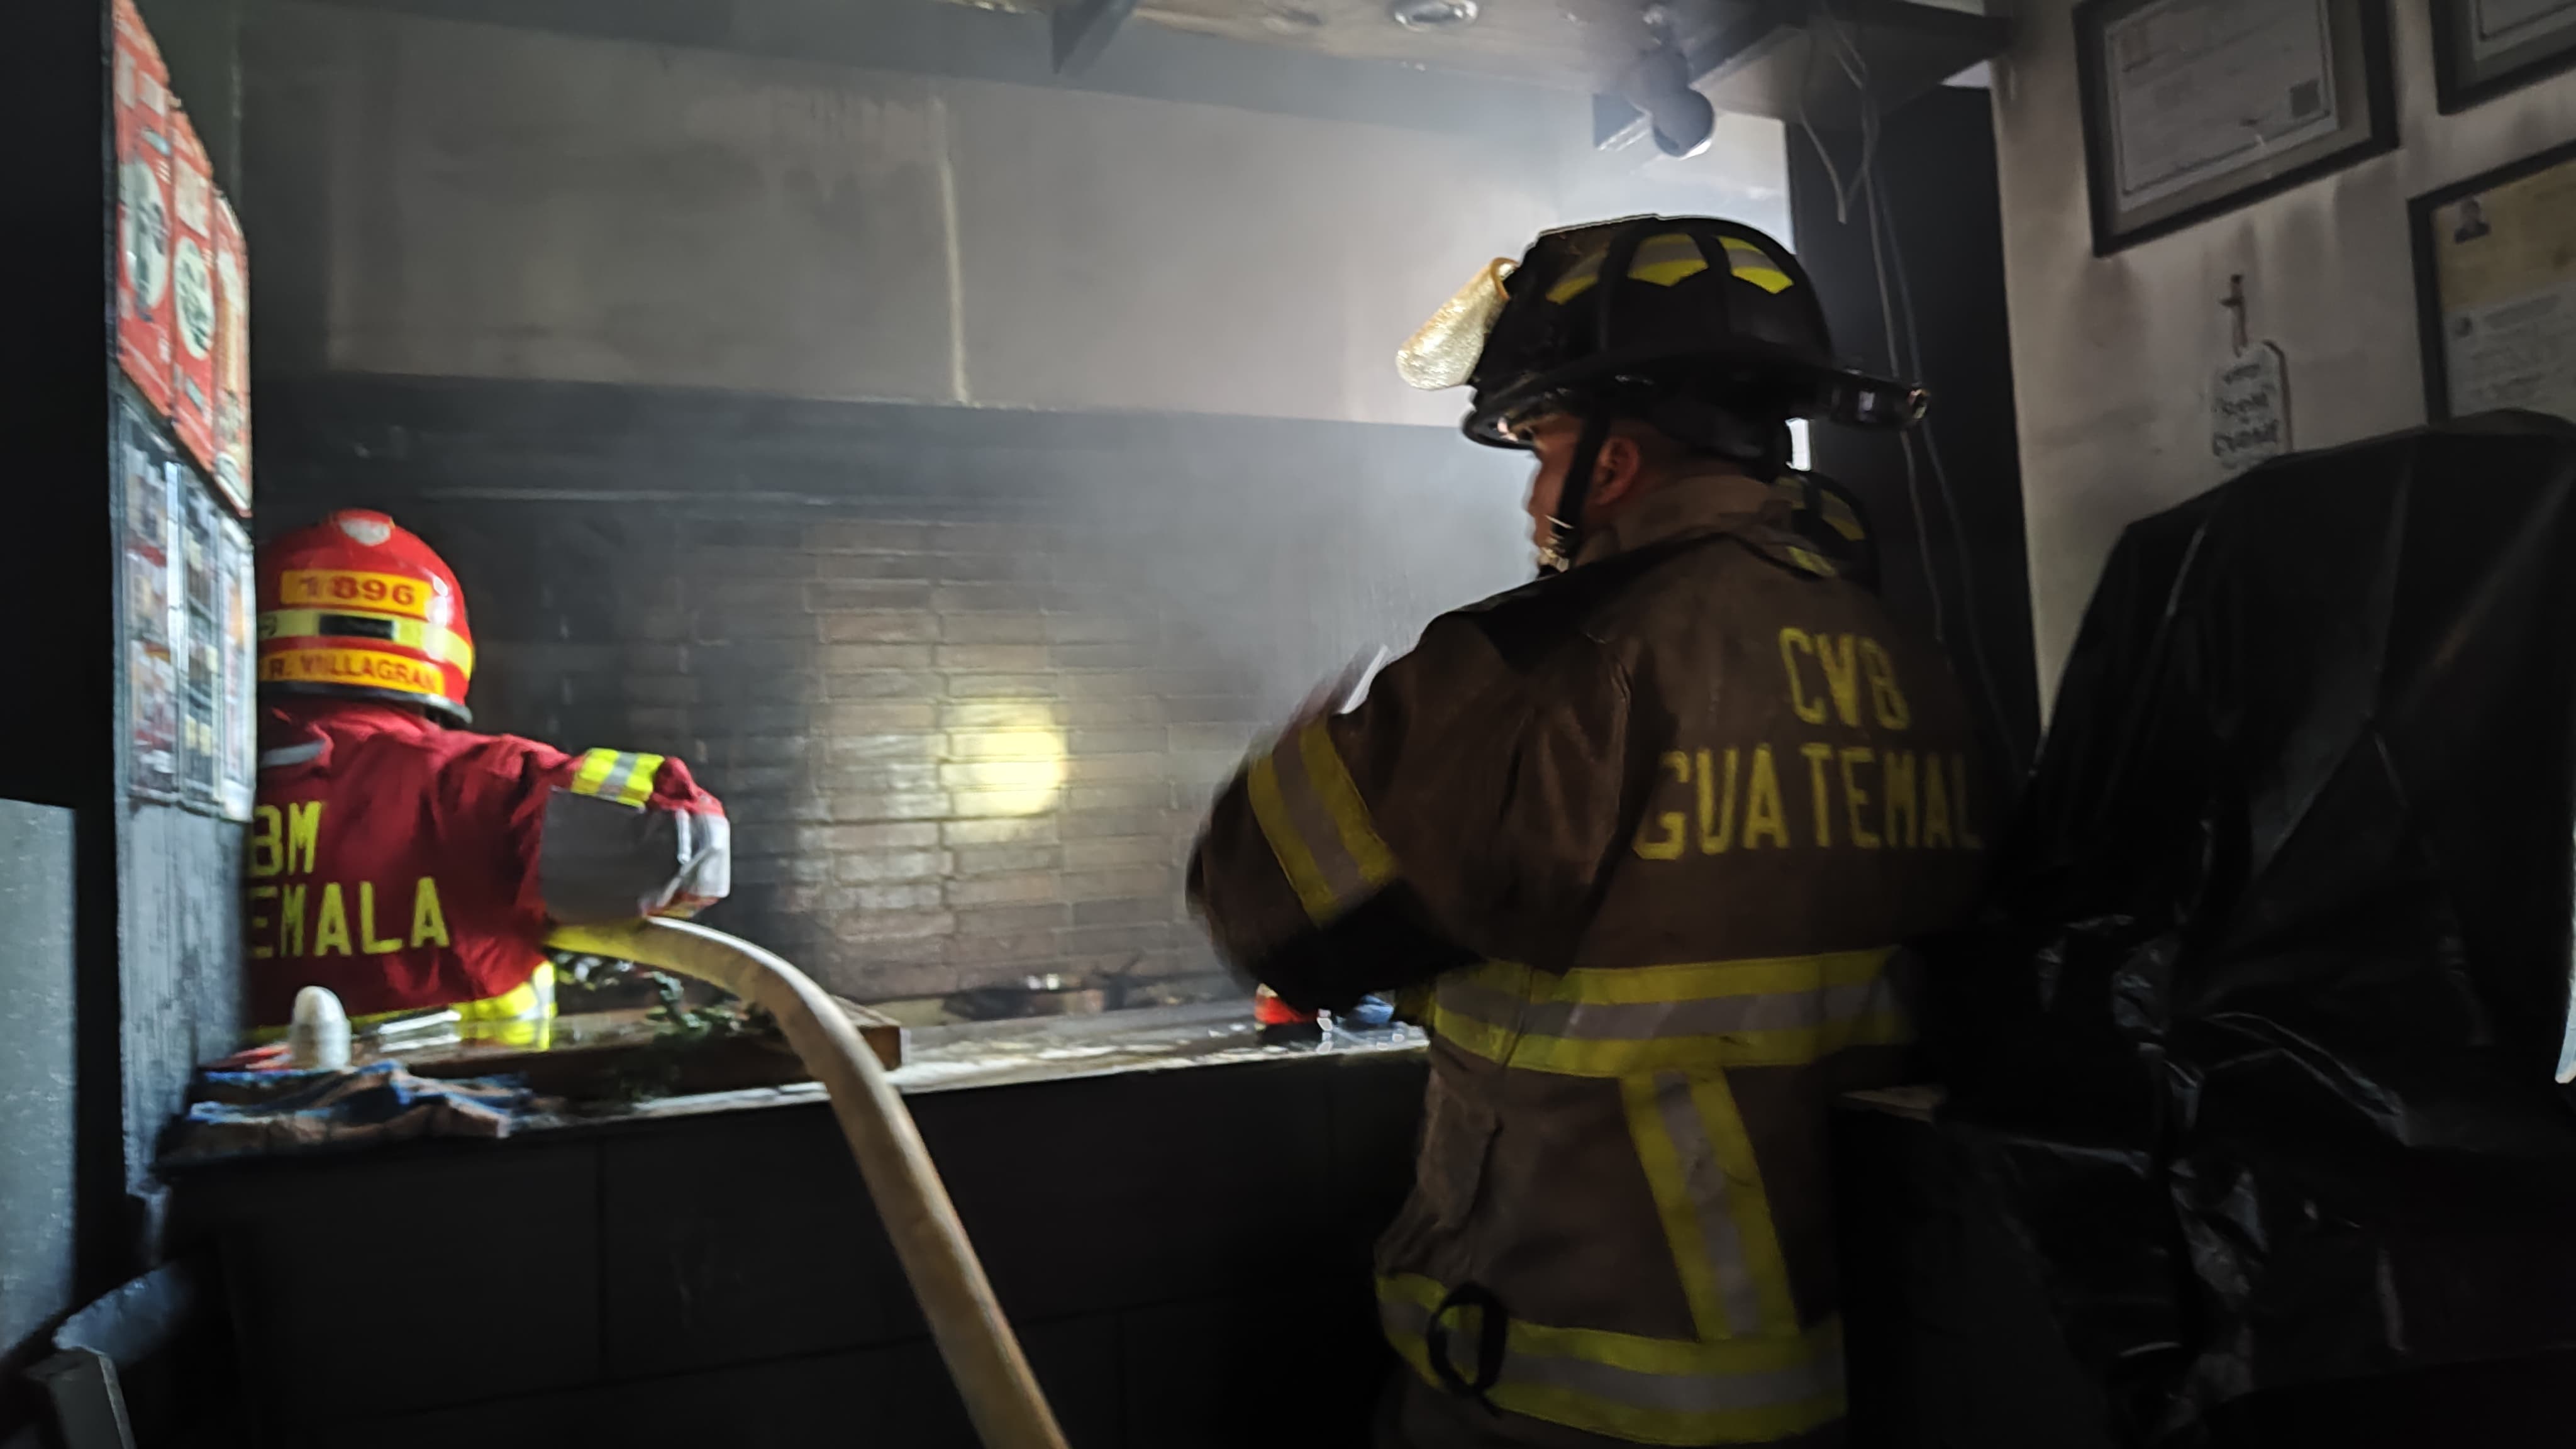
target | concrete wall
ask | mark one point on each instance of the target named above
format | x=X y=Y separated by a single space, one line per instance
x=450 y=198
x=37 y=1112
x=2112 y=357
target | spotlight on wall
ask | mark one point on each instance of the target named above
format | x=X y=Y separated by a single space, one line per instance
x=1433 y=14
x=1659 y=85
x=1014 y=764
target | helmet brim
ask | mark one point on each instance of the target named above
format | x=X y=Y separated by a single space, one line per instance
x=1807 y=389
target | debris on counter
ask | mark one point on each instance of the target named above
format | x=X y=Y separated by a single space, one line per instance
x=250 y=1113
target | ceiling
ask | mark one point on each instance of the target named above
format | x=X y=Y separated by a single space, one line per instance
x=1581 y=45
x=1783 y=58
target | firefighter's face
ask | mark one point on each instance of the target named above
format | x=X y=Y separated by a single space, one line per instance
x=1615 y=475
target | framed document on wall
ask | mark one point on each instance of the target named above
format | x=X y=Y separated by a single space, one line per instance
x=2483 y=48
x=2495 y=289
x=2195 y=107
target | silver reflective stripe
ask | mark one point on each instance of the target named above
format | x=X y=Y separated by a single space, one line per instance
x=618 y=774
x=1654 y=1020
x=1711 y=1201
x=1710 y=1393
x=302 y=754
x=1314 y=823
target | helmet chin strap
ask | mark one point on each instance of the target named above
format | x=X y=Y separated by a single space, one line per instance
x=1567 y=544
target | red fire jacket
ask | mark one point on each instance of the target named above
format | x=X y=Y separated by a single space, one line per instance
x=397 y=862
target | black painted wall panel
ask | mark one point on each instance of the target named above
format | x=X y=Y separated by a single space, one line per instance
x=1942 y=245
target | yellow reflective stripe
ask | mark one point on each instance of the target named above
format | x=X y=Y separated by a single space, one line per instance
x=1473 y=1034
x=1757 y=1236
x=1787 y=1047
x=1702 y=980
x=1296 y=862
x=1332 y=783
x=623 y=776
x=532 y=1000
x=1691 y=1016
x=1318 y=827
x=1664 y=1178
x=1648 y=1390
x=1814 y=563
x=1577 y=280
x=1661 y=259
x=593 y=771
x=1666 y=259
x=435 y=640
x=1756 y=266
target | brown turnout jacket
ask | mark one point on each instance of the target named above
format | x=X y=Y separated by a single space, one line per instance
x=1650 y=833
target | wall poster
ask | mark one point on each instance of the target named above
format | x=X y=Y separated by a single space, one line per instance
x=232 y=358
x=2193 y=107
x=2483 y=48
x=2495 y=289
x=145 y=469
x=237 y=772
x=143 y=179
x=201 y=637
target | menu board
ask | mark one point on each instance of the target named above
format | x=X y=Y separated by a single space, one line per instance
x=145 y=471
x=2503 y=291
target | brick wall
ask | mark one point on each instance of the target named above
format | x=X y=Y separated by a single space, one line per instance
x=964 y=680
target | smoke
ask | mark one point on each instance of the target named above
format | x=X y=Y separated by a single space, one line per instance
x=959 y=467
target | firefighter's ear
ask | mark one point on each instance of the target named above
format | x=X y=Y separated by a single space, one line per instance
x=1617 y=472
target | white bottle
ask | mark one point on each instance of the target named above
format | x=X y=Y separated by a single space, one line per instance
x=319 y=1035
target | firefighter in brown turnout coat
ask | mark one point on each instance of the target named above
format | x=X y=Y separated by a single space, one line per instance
x=1650 y=832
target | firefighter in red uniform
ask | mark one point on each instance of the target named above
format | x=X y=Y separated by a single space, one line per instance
x=407 y=865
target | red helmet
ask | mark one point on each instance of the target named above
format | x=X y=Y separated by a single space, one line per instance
x=358 y=607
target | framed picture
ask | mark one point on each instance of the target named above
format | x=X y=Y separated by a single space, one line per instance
x=2196 y=107
x=2495 y=289
x=2483 y=48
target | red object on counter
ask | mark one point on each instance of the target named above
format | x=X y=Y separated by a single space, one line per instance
x=1269 y=1010
x=269 y=1058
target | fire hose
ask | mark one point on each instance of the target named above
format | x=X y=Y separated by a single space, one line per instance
x=984 y=1359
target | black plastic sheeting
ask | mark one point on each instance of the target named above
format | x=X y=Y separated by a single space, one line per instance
x=2254 y=1047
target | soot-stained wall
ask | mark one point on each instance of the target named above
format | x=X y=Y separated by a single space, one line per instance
x=960 y=467
x=965 y=680
x=786 y=206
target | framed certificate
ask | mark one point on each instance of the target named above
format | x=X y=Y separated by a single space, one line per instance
x=2195 y=107
x=2495 y=289
x=2483 y=48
